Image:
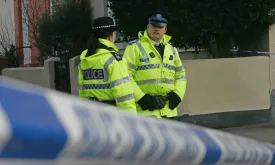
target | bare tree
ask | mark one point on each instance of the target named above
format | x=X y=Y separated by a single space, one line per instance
x=6 y=39
x=32 y=10
x=7 y=31
x=7 y=42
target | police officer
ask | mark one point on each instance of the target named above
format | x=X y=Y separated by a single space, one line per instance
x=156 y=70
x=102 y=73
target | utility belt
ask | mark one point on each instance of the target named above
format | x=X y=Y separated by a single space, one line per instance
x=110 y=102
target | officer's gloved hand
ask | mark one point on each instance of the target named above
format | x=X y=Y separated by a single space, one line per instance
x=146 y=102
x=159 y=102
x=174 y=100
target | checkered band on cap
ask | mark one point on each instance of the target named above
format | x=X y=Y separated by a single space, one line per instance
x=102 y=27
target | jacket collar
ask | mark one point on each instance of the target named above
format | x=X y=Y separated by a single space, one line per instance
x=101 y=51
x=108 y=44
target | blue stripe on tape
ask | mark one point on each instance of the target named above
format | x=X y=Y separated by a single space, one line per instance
x=36 y=130
x=272 y=148
x=213 y=152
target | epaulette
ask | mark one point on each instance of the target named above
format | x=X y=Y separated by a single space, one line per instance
x=117 y=56
x=133 y=41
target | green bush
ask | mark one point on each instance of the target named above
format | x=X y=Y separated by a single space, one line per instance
x=197 y=23
x=65 y=33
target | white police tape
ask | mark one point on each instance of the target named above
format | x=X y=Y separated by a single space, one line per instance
x=39 y=126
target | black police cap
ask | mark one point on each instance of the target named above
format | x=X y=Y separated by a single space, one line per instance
x=157 y=19
x=104 y=23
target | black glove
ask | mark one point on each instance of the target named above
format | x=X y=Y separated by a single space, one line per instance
x=159 y=101
x=146 y=102
x=174 y=100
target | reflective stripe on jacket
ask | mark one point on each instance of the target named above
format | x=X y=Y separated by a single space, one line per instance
x=152 y=75
x=104 y=75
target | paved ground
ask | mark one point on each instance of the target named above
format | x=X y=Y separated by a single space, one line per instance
x=263 y=132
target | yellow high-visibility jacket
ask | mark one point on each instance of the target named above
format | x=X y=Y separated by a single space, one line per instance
x=104 y=76
x=151 y=75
